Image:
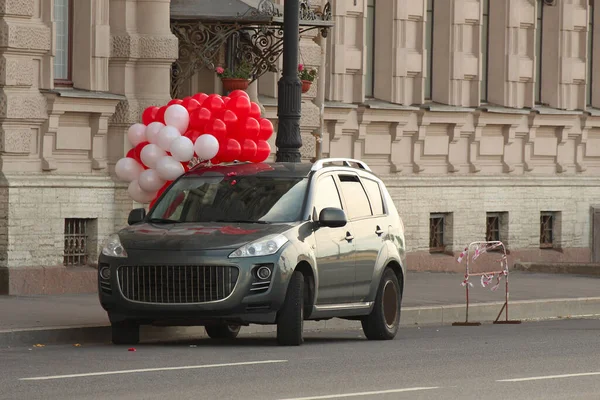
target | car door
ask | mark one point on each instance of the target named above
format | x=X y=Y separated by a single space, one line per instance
x=367 y=229
x=334 y=250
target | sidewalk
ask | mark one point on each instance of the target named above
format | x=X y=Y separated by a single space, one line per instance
x=430 y=298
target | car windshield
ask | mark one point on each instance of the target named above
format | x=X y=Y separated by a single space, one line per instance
x=218 y=198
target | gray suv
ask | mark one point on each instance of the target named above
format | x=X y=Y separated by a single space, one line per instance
x=270 y=243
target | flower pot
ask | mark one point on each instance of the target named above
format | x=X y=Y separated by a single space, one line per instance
x=306 y=86
x=230 y=84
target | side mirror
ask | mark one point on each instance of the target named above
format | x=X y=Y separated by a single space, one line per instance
x=332 y=218
x=136 y=215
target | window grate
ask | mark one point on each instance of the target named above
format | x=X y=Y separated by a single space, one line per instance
x=76 y=242
x=436 y=234
x=492 y=228
x=546 y=231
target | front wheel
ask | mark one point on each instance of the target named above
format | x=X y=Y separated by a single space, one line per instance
x=222 y=331
x=384 y=320
x=290 y=319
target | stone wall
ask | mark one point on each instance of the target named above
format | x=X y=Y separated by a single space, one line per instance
x=58 y=145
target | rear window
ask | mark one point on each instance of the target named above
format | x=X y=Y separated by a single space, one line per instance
x=218 y=198
x=355 y=196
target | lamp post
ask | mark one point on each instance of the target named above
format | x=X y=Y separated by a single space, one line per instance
x=289 y=99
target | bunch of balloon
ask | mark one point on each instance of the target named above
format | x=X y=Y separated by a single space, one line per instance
x=211 y=129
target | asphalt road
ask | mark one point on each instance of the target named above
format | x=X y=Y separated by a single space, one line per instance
x=544 y=360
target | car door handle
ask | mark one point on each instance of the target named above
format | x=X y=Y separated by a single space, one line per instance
x=349 y=237
x=378 y=231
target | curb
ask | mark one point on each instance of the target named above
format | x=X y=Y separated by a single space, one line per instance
x=586 y=269
x=526 y=310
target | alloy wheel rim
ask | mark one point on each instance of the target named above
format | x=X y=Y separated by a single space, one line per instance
x=390 y=304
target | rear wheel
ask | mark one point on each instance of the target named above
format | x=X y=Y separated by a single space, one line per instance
x=125 y=332
x=222 y=331
x=384 y=320
x=290 y=319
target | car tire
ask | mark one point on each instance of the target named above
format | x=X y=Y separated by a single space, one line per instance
x=290 y=318
x=222 y=331
x=125 y=332
x=384 y=320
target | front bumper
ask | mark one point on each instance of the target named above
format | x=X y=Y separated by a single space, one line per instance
x=241 y=306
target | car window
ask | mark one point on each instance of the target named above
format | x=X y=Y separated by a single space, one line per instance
x=233 y=198
x=326 y=195
x=355 y=196
x=374 y=192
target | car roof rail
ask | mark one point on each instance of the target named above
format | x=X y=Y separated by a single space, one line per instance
x=347 y=162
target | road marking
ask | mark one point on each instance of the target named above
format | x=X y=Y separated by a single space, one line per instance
x=337 y=396
x=537 y=378
x=136 y=371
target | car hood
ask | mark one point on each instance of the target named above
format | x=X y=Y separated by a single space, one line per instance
x=195 y=236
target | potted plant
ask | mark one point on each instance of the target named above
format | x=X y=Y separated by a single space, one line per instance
x=237 y=79
x=306 y=76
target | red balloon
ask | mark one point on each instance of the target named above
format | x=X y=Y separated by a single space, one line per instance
x=250 y=129
x=174 y=101
x=237 y=93
x=226 y=99
x=217 y=128
x=240 y=106
x=215 y=104
x=193 y=135
x=249 y=149
x=149 y=115
x=215 y=161
x=231 y=120
x=263 y=151
x=131 y=153
x=160 y=114
x=191 y=104
x=229 y=151
x=254 y=110
x=200 y=97
x=137 y=150
x=266 y=129
x=199 y=118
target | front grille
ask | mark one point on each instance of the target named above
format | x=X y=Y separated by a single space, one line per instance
x=176 y=284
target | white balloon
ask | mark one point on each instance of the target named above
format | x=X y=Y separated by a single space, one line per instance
x=150 y=155
x=150 y=181
x=136 y=134
x=177 y=116
x=206 y=147
x=166 y=137
x=128 y=169
x=182 y=149
x=138 y=194
x=169 y=169
x=152 y=131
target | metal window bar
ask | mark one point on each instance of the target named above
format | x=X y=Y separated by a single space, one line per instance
x=492 y=228
x=546 y=231
x=76 y=239
x=436 y=234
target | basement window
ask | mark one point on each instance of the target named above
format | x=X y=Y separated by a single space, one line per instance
x=76 y=237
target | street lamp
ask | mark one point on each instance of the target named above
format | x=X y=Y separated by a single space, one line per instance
x=289 y=99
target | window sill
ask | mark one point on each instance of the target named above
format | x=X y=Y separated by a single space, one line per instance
x=84 y=94
x=385 y=105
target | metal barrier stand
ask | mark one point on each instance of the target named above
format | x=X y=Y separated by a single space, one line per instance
x=481 y=248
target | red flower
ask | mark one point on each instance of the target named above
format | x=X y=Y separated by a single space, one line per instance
x=300 y=67
x=219 y=70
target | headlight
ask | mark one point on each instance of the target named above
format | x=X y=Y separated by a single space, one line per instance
x=263 y=247
x=114 y=248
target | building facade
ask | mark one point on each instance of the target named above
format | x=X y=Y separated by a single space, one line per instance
x=482 y=117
